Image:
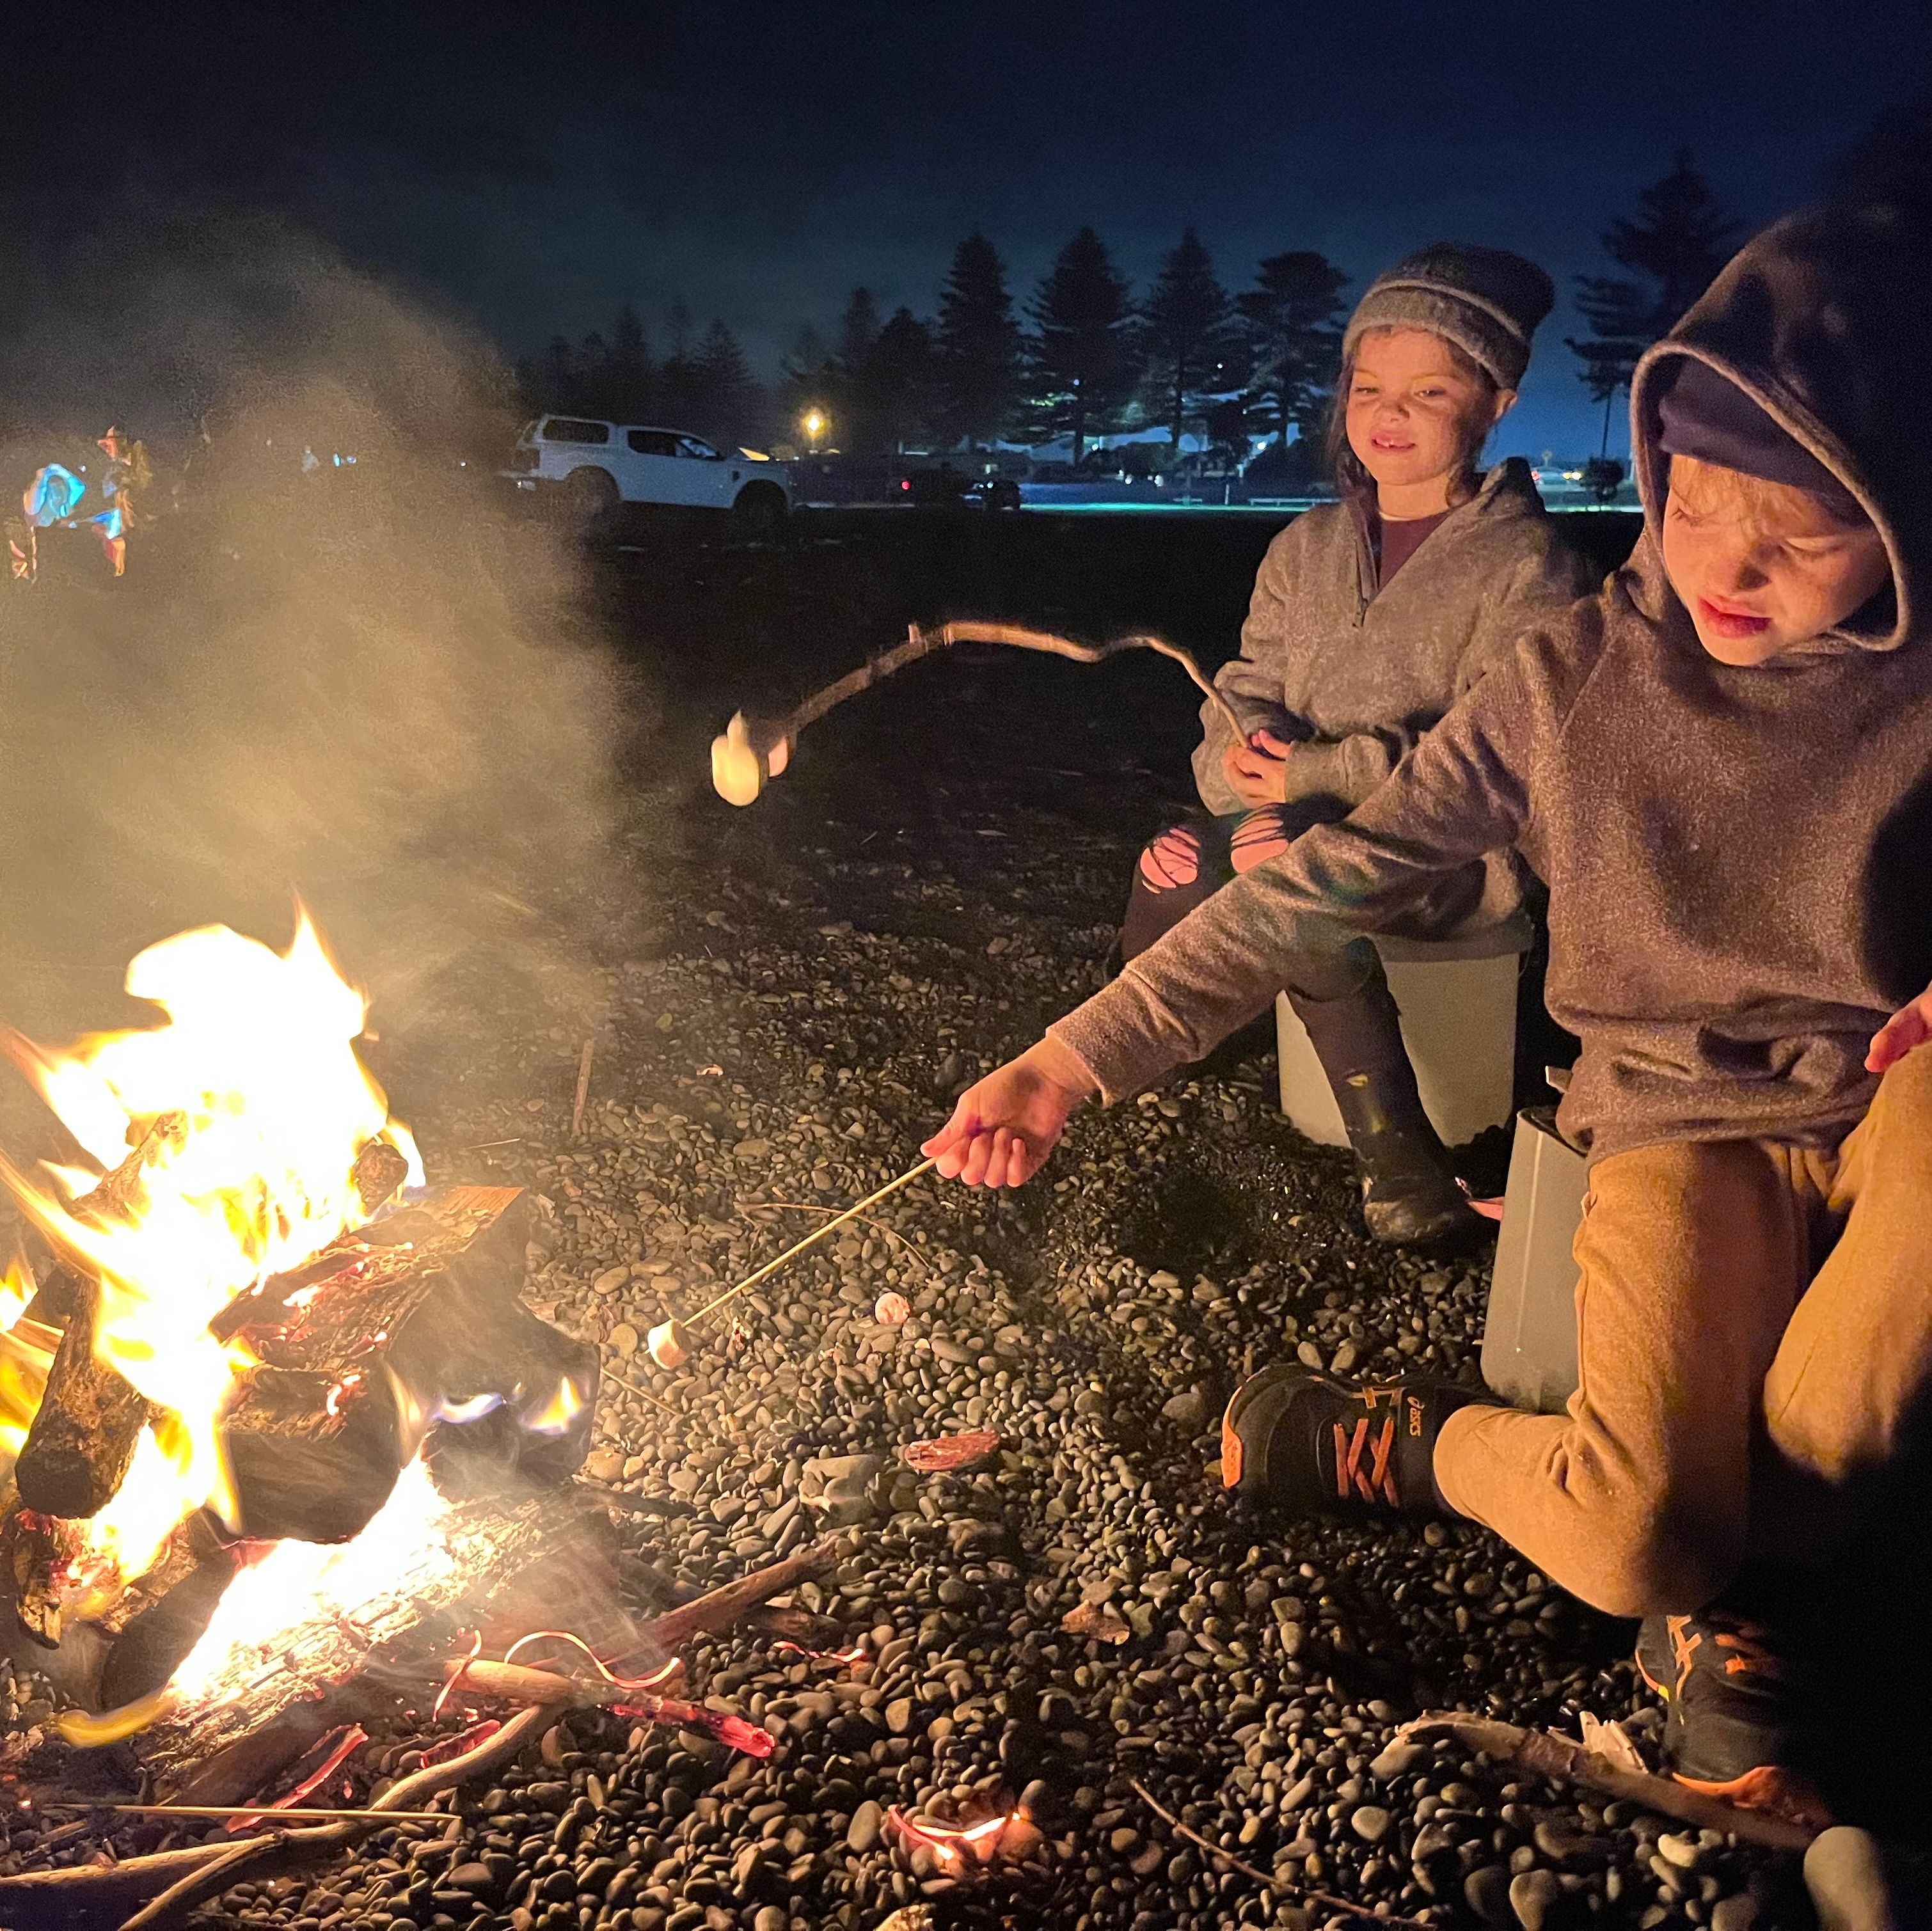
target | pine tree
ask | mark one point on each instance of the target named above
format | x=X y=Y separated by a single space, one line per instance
x=630 y=367
x=1187 y=327
x=1680 y=239
x=1291 y=316
x=1082 y=357
x=979 y=343
x=903 y=380
x=858 y=330
x=725 y=396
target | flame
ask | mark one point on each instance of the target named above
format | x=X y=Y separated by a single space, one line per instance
x=556 y=1414
x=952 y=1846
x=256 y=1058
x=404 y=1543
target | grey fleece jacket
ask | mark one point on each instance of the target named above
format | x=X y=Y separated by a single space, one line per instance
x=1353 y=672
x=1735 y=857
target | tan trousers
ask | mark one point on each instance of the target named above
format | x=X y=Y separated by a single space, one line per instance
x=1754 y=1332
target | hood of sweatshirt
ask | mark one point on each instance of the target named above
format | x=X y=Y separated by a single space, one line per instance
x=1820 y=321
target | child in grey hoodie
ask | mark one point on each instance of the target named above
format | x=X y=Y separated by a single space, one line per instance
x=1370 y=617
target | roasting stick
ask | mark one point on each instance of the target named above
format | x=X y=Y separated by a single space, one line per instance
x=666 y=1341
x=754 y=749
x=315 y=1811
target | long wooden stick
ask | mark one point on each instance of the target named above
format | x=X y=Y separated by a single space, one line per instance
x=748 y=752
x=811 y=1239
x=1549 y=1755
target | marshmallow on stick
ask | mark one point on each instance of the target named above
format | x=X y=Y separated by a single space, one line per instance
x=753 y=750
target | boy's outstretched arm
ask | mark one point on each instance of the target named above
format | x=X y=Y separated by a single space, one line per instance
x=1463 y=791
x=1908 y=1029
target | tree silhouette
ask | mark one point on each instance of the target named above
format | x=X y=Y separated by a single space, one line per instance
x=1188 y=329
x=858 y=330
x=1679 y=240
x=1891 y=160
x=979 y=342
x=1291 y=316
x=630 y=367
x=1082 y=357
x=723 y=398
x=903 y=381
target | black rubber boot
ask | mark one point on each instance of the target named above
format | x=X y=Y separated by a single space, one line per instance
x=1410 y=1197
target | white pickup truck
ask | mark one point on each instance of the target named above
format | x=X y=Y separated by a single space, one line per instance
x=596 y=465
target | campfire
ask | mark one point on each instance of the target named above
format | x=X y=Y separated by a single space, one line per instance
x=277 y=1424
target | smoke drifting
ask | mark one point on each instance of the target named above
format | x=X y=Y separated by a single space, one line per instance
x=368 y=684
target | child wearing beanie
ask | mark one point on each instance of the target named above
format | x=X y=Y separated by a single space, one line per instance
x=1370 y=618
x=1721 y=766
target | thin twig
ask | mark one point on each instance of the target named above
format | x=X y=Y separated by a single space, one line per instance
x=864 y=1220
x=583 y=1087
x=811 y=1239
x=645 y=1393
x=318 y=1813
x=1267 y=1878
x=56 y=1897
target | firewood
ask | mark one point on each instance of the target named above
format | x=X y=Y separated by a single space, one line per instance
x=80 y=1897
x=719 y=1608
x=548 y=1546
x=83 y=1435
x=1546 y=1754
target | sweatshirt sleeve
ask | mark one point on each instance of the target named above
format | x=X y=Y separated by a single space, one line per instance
x=1465 y=791
x=1250 y=682
x=1543 y=583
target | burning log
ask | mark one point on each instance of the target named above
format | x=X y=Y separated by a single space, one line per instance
x=474 y=1566
x=83 y=1435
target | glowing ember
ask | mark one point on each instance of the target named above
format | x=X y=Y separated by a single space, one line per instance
x=954 y=1846
x=256 y=1058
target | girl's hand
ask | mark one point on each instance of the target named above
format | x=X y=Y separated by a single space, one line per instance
x=1257 y=771
x=1003 y=1128
x=1909 y=1028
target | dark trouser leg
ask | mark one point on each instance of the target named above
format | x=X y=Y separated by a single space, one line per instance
x=1409 y=1193
x=1181 y=869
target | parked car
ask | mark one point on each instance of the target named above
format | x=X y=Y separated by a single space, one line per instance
x=595 y=466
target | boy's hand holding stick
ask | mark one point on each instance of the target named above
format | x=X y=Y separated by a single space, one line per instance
x=1003 y=1128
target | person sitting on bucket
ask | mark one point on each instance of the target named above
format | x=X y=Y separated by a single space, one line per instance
x=1370 y=617
x=1722 y=766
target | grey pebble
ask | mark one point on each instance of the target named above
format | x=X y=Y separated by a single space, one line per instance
x=1532 y=1895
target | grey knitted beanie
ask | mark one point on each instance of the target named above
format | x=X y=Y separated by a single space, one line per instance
x=1487 y=300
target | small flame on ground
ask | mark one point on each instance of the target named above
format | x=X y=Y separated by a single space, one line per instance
x=952 y=1845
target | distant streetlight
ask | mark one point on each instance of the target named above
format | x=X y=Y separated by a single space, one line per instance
x=815 y=422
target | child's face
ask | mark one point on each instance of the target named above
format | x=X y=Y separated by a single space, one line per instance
x=1762 y=566
x=1411 y=405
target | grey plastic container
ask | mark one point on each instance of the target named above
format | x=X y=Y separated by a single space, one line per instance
x=1529 y=1335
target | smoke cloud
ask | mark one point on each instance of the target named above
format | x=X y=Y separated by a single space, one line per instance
x=367 y=682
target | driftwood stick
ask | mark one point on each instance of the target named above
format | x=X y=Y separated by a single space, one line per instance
x=1548 y=1754
x=719 y=1608
x=57 y=1899
x=1267 y=1877
x=753 y=749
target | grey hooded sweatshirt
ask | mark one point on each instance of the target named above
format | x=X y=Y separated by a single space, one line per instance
x=1736 y=858
x=1353 y=672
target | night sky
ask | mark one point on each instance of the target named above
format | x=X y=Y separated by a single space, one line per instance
x=532 y=166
